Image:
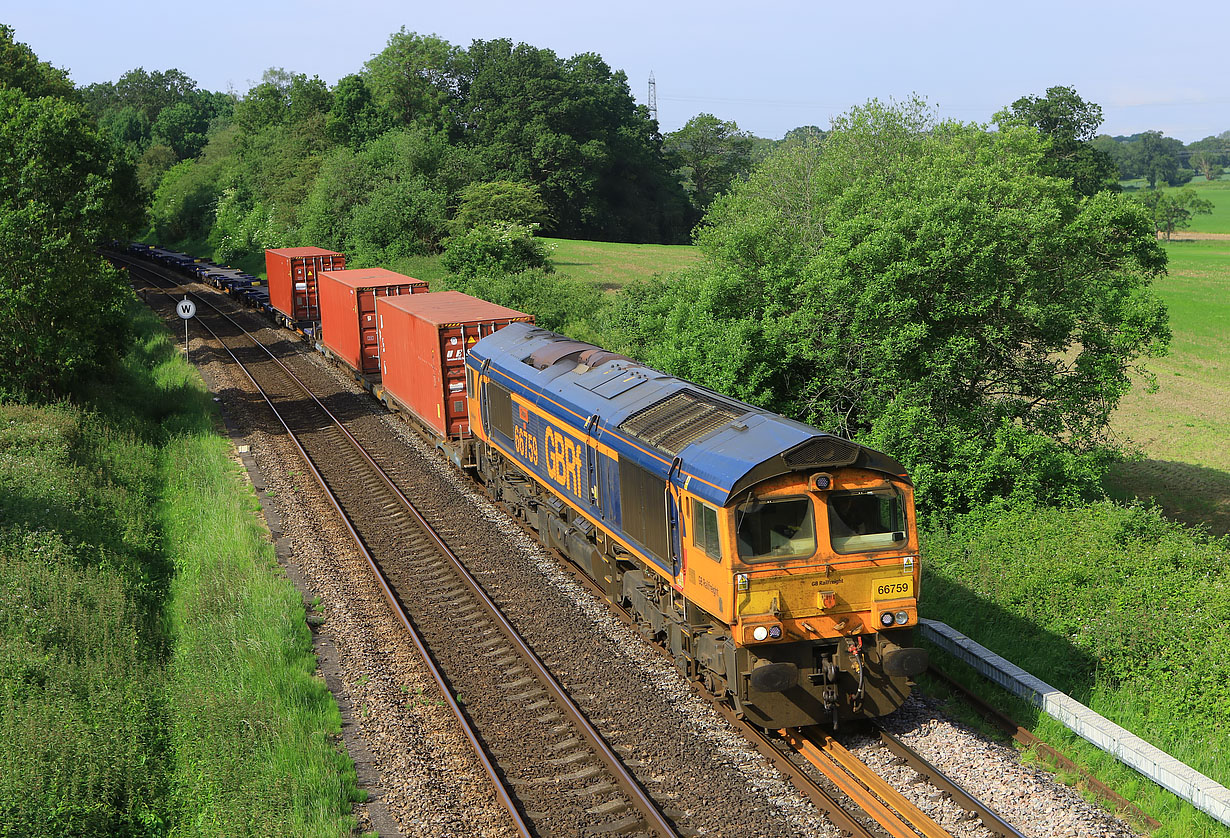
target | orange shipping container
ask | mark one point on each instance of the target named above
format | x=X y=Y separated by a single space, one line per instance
x=423 y=342
x=292 y=273
x=348 y=311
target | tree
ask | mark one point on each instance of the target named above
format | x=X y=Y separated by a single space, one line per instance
x=147 y=92
x=709 y=154
x=154 y=162
x=1207 y=163
x=182 y=128
x=355 y=118
x=805 y=134
x=572 y=128
x=1157 y=159
x=128 y=126
x=1209 y=155
x=63 y=190
x=21 y=69
x=1173 y=210
x=391 y=198
x=413 y=79
x=1071 y=124
x=927 y=288
x=284 y=98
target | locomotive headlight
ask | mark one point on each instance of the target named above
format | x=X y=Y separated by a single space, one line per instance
x=775 y=632
x=886 y=618
x=761 y=633
x=902 y=617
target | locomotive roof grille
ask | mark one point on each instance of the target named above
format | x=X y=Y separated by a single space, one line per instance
x=671 y=423
x=821 y=452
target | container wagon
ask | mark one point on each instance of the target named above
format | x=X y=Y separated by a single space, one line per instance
x=292 y=273
x=348 y=313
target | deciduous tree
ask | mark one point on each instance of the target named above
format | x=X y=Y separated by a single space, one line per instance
x=926 y=287
x=414 y=79
x=1173 y=209
x=572 y=128
x=499 y=201
x=1207 y=163
x=355 y=118
x=710 y=154
x=1071 y=124
x=63 y=191
x=1157 y=159
x=21 y=69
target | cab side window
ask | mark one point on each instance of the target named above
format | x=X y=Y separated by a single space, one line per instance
x=705 y=529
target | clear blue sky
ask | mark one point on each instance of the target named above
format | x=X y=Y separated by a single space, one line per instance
x=769 y=66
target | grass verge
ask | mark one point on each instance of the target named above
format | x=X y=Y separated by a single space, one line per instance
x=156 y=675
x=1118 y=607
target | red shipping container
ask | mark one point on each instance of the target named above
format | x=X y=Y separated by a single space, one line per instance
x=292 y=273
x=423 y=342
x=348 y=311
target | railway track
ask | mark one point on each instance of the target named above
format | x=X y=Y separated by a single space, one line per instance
x=547 y=764
x=461 y=621
x=1023 y=737
x=877 y=808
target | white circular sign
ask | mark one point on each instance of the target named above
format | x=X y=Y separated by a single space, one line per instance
x=186 y=309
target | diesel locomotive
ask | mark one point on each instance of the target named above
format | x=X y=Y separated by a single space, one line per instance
x=777 y=563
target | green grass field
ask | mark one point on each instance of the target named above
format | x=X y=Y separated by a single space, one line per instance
x=1216 y=191
x=612 y=266
x=609 y=265
x=1183 y=429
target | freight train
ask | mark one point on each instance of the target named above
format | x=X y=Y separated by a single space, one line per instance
x=777 y=564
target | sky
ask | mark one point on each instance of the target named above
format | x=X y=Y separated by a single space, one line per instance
x=768 y=66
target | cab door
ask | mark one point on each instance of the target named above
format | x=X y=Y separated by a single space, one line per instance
x=674 y=525
x=591 y=463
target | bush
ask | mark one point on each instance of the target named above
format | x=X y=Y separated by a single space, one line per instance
x=82 y=735
x=1097 y=600
x=499 y=247
x=499 y=200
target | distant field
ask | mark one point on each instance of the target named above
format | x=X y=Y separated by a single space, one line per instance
x=609 y=265
x=613 y=266
x=1217 y=191
x=1184 y=428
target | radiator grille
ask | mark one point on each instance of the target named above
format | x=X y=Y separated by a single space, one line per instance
x=820 y=452
x=673 y=422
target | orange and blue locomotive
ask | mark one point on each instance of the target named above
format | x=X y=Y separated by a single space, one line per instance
x=778 y=564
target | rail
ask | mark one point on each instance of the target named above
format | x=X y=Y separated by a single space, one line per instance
x=649 y=813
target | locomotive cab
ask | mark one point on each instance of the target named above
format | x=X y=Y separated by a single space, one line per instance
x=826 y=584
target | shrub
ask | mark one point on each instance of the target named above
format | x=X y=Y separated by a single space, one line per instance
x=500 y=247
